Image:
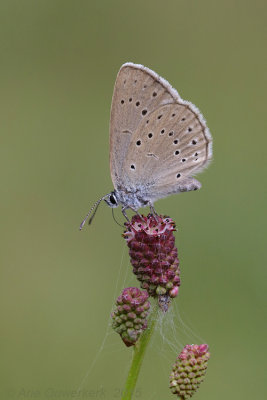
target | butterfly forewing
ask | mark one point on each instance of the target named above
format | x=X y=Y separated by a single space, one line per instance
x=137 y=93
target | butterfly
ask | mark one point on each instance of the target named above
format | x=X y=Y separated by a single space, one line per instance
x=158 y=141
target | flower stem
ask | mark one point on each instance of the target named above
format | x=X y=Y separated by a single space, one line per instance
x=138 y=355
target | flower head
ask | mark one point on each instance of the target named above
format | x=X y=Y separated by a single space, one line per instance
x=154 y=256
x=129 y=317
x=189 y=370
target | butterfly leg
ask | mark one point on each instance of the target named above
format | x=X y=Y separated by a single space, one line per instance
x=152 y=210
x=136 y=212
x=123 y=210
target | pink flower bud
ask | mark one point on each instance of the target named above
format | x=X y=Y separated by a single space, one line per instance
x=129 y=316
x=189 y=370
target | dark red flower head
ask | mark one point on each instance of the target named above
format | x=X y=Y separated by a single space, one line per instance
x=154 y=256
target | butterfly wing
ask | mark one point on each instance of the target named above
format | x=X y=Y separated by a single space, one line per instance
x=137 y=92
x=158 y=141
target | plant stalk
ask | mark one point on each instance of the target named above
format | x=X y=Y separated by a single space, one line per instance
x=138 y=355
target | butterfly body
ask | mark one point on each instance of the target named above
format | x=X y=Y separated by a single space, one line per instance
x=135 y=198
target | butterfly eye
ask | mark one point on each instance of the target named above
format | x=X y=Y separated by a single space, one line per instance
x=112 y=199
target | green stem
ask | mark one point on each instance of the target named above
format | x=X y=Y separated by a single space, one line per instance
x=138 y=355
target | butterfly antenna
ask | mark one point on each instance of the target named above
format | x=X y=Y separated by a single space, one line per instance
x=93 y=208
x=94 y=213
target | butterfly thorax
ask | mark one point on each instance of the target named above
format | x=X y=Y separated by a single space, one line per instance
x=131 y=199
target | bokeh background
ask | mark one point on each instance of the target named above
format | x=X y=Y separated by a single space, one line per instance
x=59 y=61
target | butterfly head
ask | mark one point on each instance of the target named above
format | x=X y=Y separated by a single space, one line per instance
x=111 y=200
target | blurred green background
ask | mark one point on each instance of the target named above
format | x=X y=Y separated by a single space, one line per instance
x=59 y=61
